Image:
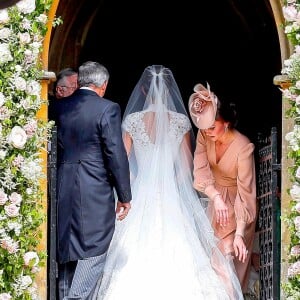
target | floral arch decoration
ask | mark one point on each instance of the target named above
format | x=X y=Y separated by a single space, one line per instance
x=23 y=136
x=291 y=69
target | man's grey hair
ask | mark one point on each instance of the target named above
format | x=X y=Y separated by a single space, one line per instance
x=92 y=73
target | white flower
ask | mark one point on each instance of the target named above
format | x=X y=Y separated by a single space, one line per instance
x=3 y=197
x=42 y=18
x=20 y=83
x=298 y=173
x=29 y=56
x=2 y=154
x=25 y=282
x=15 y=226
x=26 y=6
x=4 y=18
x=26 y=24
x=26 y=103
x=297 y=207
x=31 y=170
x=32 y=258
x=5 y=296
x=33 y=88
x=2 y=99
x=32 y=290
x=29 y=191
x=288 y=29
x=5 y=55
x=17 y=137
x=18 y=68
x=24 y=38
x=5 y=33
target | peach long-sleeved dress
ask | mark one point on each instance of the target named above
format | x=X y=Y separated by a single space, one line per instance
x=233 y=176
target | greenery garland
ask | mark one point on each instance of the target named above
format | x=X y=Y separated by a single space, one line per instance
x=22 y=137
x=291 y=68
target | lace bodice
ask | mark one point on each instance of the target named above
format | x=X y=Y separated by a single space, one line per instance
x=134 y=124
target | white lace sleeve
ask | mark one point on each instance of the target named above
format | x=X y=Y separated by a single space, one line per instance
x=130 y=124
x=180 y=125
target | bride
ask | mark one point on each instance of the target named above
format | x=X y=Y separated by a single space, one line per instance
x=165 y=248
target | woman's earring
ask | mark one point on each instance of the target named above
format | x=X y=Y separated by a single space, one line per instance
x=226 y=128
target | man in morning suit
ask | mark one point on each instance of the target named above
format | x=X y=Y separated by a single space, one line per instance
x=92 y=164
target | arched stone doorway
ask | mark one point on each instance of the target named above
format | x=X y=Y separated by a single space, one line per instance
x=233 y=46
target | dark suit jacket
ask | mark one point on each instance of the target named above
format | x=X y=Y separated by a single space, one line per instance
x=91 y=162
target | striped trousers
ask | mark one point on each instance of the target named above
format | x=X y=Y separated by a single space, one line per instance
x=78 y=280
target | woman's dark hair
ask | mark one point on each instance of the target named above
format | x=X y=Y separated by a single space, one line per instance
x=226 y=111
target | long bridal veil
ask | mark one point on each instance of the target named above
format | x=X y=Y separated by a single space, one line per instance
x=165 y=248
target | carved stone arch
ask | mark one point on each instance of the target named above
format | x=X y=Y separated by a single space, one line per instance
x=67 y=39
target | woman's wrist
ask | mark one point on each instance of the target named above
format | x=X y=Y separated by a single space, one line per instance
x=239 y=234
x=215 y=196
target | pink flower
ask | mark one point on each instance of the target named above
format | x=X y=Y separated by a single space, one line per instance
x=294 y=269
x=10 y=245
x=297 y=223
x=15 y=198
x=17 y=162
x=31 y=128
x=31 y=258
x=295 y=250
x=5 y=296
x=12 y=210
x=3 y=197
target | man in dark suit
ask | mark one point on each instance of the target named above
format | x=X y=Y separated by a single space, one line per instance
x=92 y=168
x=65 y=85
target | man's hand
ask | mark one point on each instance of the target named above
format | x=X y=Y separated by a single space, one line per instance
x=122 y=210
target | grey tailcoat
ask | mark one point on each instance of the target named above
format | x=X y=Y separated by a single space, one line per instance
x=91 y=162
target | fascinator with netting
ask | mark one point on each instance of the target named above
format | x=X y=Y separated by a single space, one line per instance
x=203 y=106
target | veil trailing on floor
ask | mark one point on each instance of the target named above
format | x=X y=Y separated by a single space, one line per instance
x=165 y=248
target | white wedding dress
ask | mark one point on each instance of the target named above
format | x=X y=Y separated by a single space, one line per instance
x=165 y=248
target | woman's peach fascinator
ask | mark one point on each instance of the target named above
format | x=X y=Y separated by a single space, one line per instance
x=203 y=106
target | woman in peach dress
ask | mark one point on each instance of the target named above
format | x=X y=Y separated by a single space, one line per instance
x=224 y=170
